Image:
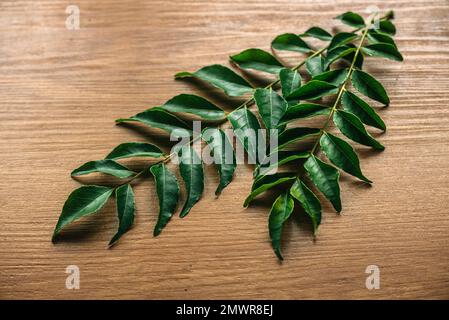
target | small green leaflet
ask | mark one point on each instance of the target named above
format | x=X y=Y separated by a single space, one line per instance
x=294 y=134
x=290 y=81
x=351 y=19
x=161 y=119
x=223 y=153
x=336 y=54
x=342 y=155
x=283 y=157
x=313 y=90
x=336 y=77
x=386 y=26
x=376 y=37
x=341 y=39
x=308 y=201
x=196 y=105
x=168 y=193
x=280 y=212
x=290 y=42
x=325 y=177
x=384 y=50
x=257 y=59
x=318 y=33
x=350 y=57
x=82 y=202
x=302 y=111
x=191 y=169
x=221 y=77
x=124 y=198
x=271 y=107
x=104 y=166
x=135 y=149
x=352 y=127
x=246 y=128
x=265 y=182
x=316 y=65
x=362 y=110
x=370 y=87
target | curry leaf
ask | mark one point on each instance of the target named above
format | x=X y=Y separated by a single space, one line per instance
x=290 y=81
x=316 y=65
x=370 y=87
x=362 y=110
x=313 y=90
x=279 y=213
x=124 y=198
x=376 y=37
x=196 y=105
x=283 y=157
x=266 y=182
x=168 y=193
x=271 y=106
x=308 y=201
x=257 y=59
x=337 y=53
x=351 y=19
x=336 y=77
x=290 y=42
x=104 y=166
x=292 y=135
x=303 y=110
x=341 y=39
x=384 y=50
x=135 y=149
x=386 y=26
x=318 y=33
x=221 y=77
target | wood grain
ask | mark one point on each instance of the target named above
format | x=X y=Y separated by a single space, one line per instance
x=61 y=90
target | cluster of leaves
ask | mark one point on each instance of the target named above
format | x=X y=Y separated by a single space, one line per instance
x=349 y=112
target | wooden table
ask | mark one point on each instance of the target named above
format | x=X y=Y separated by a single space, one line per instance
x=60 y=91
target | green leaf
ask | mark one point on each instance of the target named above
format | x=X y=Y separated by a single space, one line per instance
x=221 y=77
x=302 y=111
x=271 y=106
x=350 y=57
x=257 y=59
x=336 y=77
x=196 y=105
x=386 y=26
x=82 y=202
x=352 y=127
x=283 y=157
x=308 y=201
x=315 y=65
x=104 y=166
x=351 y=19
x=124 y=197
x=291 y=135
x=191 y=169
x=224 y=157
x=135 y=149
x=384 y=50
x=362 y=110
x=342 y=155
x=290 y=42
x=370 y=87
x=325 y=177
x=318 y=33
x=290 y=81
x=161 y=119
x=341 y=39
x=280 y=212
x=266 y=182
x=246 y=128
x=313 y=90
x=336 y=54
x=376 y=37
x=168 y=193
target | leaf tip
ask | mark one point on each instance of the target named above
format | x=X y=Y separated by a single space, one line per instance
x=278 y=253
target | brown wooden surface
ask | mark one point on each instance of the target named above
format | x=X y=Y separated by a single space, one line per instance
x=61 y=90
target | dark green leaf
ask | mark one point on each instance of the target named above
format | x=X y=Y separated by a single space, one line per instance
x=313 y=90
x=352 y=127
x=370 y=87
x=196 y=105
x=341 y=39
x=124 y=198
x=257 y=59
x=290 y=81
x=325 y=177
x=290 y=42
x=295 y=134
x=266 y=182
x=104 y=166
x=318 y=33
x=168 y=193
x=315 y=65
x=303 y=110
x=283 y=157
x=336 y=77
x=271 y=106
x=161 y=119
x=376 y=37
x=350 y=57
x=362 y=110
x=351 y=19
x=82 y=202
x=221 y=77
x=246 y=128
x=342 y=155
x=337 y=53
x=308 y=201
x=386 y=26
x=135 y=149
x=384 y=50
x=224 y=157
x=280 y=212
